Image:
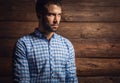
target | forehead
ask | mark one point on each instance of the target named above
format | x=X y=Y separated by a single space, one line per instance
x=53 y=8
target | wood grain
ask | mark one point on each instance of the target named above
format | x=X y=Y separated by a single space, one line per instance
x=6 y=66
x=90 y=30
x=95 y=11
x=70 y=30
x=97 y=67
x=92 y=48
x=99 y=79
x=84 y=14
x=91 y=25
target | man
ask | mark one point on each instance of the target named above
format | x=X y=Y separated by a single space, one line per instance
x=44 y=56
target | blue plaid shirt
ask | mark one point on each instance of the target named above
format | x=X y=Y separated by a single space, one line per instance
x=38 y=60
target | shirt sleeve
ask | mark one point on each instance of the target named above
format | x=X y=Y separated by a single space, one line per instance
x=20 y=64
x=71 y=76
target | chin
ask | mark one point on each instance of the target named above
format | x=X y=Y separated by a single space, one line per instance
x=54 y=29
x=51 y=28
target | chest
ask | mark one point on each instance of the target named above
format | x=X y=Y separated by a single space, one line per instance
x=44 y=52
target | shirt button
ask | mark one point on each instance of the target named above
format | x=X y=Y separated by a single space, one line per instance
x=52 y=74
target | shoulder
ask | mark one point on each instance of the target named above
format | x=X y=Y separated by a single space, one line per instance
x=64 y=40
x=24 y=39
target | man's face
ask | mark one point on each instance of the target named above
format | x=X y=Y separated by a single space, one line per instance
x=52 y=18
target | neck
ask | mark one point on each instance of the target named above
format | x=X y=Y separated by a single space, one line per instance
x=47 y=34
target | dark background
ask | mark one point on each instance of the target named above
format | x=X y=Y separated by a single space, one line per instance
x=93 y=26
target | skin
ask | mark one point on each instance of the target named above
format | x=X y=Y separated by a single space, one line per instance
x=50 y=21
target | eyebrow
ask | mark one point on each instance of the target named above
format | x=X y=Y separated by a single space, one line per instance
x=49 y=13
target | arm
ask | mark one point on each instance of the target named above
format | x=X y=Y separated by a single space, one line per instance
x=71 y=67
x=20 y=64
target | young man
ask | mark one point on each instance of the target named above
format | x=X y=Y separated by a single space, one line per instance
x=44 y=56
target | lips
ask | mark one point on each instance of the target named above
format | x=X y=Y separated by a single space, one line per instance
x=56 y=25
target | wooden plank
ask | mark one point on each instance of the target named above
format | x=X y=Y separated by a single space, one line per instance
x=6 y=47
x=6 y=66
x=69 y=30
x=29 y=5
x=95 y=3
x=92 y=14
x=99 y=79
x=13 y=10
x=93 y=48
x=97 y=67
x=90 y=30
x=95 y=14
x=105 y=3
x=19 y=11
x=16 y=29
x=78 y=3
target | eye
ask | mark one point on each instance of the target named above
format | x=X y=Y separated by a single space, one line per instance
x=50 y=14
x=59 y=15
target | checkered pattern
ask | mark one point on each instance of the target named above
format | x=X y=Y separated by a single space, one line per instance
x=37 y=60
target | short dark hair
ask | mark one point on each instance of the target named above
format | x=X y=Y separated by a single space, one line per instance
x=41 y=5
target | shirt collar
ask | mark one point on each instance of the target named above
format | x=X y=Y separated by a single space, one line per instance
x=40 y=35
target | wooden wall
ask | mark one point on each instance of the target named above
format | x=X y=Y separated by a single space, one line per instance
x=93 y=26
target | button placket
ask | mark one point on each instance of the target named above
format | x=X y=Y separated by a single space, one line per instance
x=51 y=58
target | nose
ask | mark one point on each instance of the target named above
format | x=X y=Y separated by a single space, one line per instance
x=56 y=18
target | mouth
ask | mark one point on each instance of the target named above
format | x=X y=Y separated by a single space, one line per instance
x=55 y=25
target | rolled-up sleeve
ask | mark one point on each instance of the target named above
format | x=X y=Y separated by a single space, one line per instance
x=20 y=64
